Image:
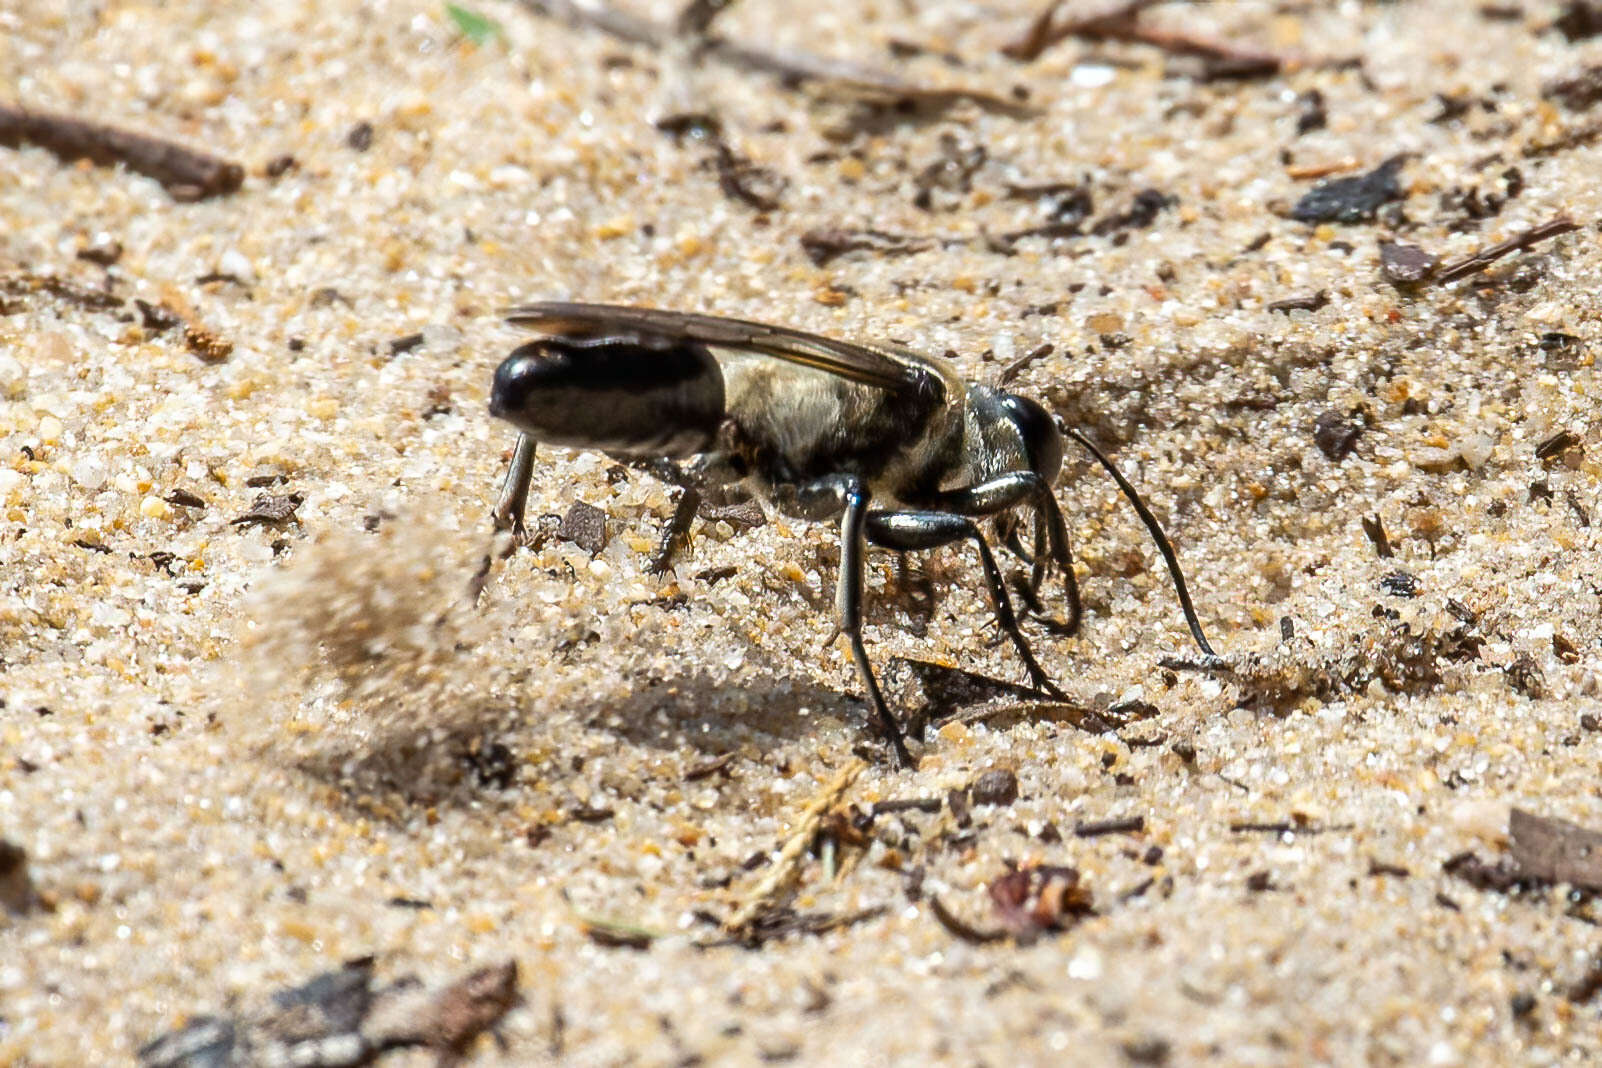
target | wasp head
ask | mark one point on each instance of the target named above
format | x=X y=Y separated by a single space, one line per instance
x=1042 y=440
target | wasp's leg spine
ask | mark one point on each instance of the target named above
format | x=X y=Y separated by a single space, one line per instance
x=921 y=531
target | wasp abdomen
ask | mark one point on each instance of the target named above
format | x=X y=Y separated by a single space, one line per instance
x=638 y=396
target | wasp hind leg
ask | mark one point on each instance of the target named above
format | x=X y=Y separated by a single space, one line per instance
x=508 y=515
x=921 y=531
x=510 y=508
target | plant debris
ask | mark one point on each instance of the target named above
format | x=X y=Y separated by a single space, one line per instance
x=829 y=76
x=998 y=786
x=1120 y=825
x=1122 y=23
x=1353 y=199
x=1335 y=435
x=787 y=866
x=1406 y=265
x=16 y=887
x=616 y=935
x=781 y=922
x=825 y=245
x=585 y=526
x=185 y=173
x=1479 y=261
x=1035 y=900
x=270 y=510
x=1312 y=302
x=1555 y=850
x=339 y=1019
x=206 y=345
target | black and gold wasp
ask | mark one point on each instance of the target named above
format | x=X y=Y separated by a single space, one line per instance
x=904 y=452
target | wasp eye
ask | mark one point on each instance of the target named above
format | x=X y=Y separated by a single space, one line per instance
x=1041 y=438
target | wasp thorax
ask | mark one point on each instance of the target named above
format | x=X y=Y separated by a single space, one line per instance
x=621 y=395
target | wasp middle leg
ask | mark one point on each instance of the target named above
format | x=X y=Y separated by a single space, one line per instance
x=847 y=495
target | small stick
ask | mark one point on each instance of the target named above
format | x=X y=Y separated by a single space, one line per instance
x=839 y=76
x=1122 y=23
x=186 y=173
x=788 y=865
x=1482 y=259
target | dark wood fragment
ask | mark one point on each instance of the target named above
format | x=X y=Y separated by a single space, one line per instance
x=1308 y=303
x=826 y=244
x=185 y=173
x=402 y=345
x=1121 y=825
x=905 y=804
x=1557 y=444
x=585 y=526
x=1580 y=19
x=1352 y=199
x=1577 y=92
x=17 y=893
x=1502 y=876
x=157 y=318
x=1335 y=435
x=270 y=510
x=1482 y=259
x=961 y=928
x=710 y=768
x=1375 y=529
x=1406 y=265
x=590 y=814
x=1555 y=850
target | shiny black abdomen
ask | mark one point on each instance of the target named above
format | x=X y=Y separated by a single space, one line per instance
x=627 y=395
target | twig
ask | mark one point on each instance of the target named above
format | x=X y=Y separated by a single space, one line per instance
x=1018 y=366
x=829 y=75
x=961 y=928
x=1122 y=23
x=186 y=173
x=1482 y=259
x=1097 y=828
x=1044 y=31
x=788 y=864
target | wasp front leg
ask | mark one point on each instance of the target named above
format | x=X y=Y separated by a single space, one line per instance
x=921 y=531
x=1017 y=489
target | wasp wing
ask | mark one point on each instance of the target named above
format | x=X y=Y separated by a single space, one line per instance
x=885 y=367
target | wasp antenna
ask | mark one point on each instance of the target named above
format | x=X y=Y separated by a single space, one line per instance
x=1157 y=535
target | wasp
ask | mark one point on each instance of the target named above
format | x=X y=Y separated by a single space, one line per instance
x=895 y=446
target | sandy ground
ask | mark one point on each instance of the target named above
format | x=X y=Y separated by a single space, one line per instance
x=237 y=754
